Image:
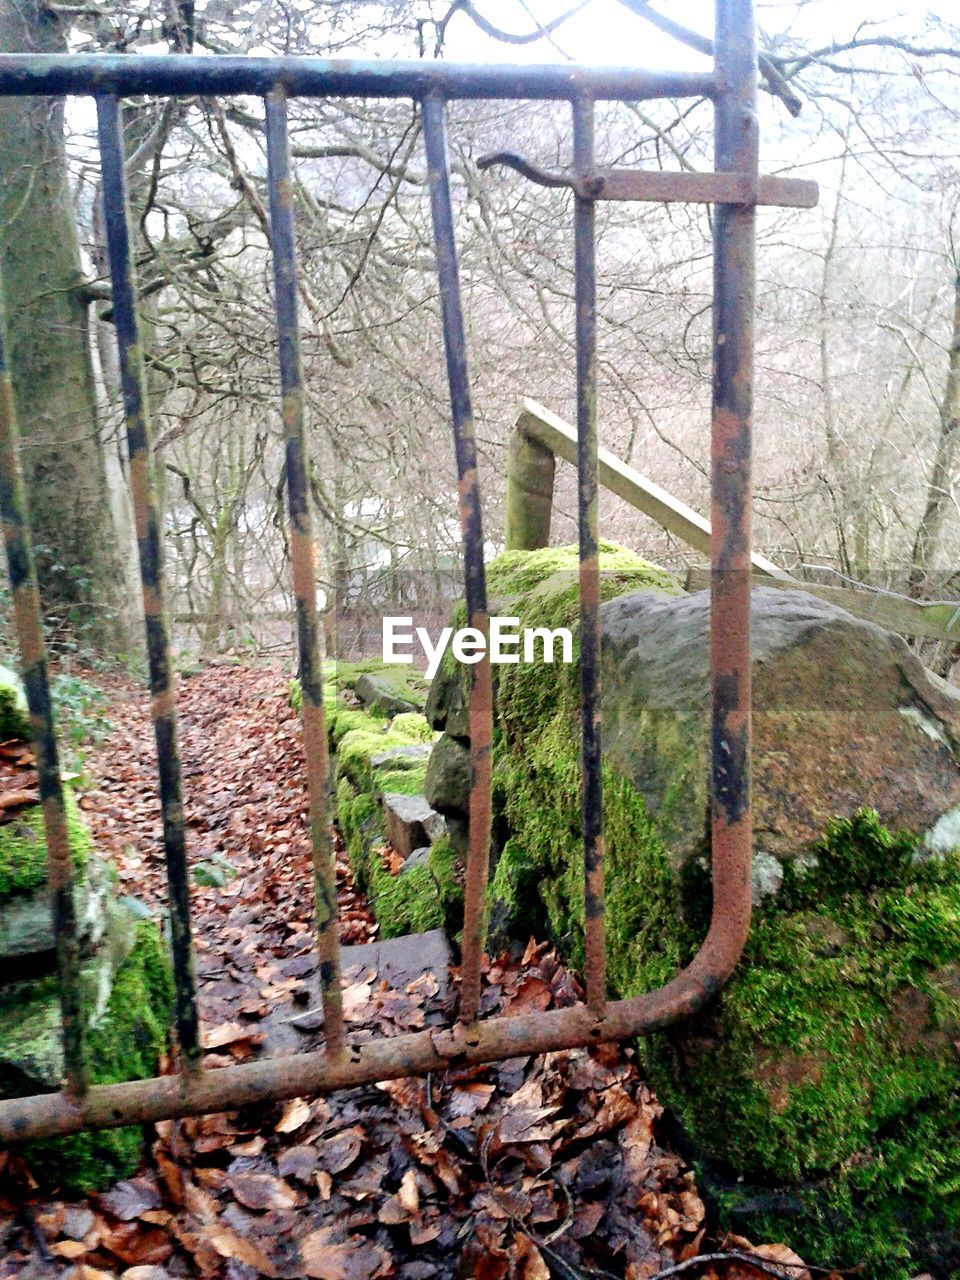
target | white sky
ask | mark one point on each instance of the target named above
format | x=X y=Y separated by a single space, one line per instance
x=607 y=33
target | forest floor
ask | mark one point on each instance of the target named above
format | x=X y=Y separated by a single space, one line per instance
x=532 y=1169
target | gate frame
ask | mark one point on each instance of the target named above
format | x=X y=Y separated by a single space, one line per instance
x=735 y=189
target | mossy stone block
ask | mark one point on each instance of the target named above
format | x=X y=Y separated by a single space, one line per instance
x=14 y=715
x=124 y=1042
x=23 y=849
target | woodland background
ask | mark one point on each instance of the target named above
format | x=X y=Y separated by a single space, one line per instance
x=858 y=338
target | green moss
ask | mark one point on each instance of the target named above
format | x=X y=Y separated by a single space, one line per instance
x=539 y=874
x=825 y=1075
x=423 y=897
x=23 y=849
x=408 y=781
x=14 y=717
x=125 y=1045
x=414 y=725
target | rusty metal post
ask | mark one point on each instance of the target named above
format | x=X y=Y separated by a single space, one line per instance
x=585 y=295
x=33 y=652
x=150 y=547
x=303 y=565
x=731 y=445
x=465 y=445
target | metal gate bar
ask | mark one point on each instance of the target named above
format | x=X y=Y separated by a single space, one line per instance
x=433 y=114
x=588 y=516
x=303 y=565
x=735 y=188
x=150 y=549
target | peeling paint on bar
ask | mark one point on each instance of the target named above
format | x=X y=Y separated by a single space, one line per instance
x=103 y=73
x=471 y=521
x=150 y=548
x=585 y=301
x=303 y=566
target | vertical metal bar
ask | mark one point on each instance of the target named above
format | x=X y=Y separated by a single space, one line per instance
x=481 y=683
x=26 y=604
x=150 y=547
x=303 y=564
x=587 y=502
x=730 y=544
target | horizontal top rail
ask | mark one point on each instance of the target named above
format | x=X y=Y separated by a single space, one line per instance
x=35 y=74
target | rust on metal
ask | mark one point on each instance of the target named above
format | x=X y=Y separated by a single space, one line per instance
x=303 y=566
x=731 y=444
x=735 y=188
x=588 y=518
x=471 y=523
x=661 y=186
x=150 y=549
x=700 y=188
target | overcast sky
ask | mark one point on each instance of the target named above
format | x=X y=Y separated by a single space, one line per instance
x=605 y=32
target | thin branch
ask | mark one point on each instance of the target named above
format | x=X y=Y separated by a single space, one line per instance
x=776 y=83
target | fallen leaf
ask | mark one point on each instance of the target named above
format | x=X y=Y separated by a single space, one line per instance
x=409 y=1194
x=231 y=1245
x=295 y=1115
x=127 y=1200
x=338 y=1153
x=229 y=1033
x=261 y=1191
x=322 y=1257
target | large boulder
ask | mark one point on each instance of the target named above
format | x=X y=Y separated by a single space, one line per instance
x=844 y=716
x=819 y=1092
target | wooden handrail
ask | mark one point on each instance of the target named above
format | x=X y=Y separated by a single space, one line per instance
x=540 y=436
x=530 y=488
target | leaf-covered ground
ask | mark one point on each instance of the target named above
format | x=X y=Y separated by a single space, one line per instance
x=530 y=1169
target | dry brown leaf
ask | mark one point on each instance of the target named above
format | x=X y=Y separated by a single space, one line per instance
x=532 y=1265
x=261 y=1191
x=780 y=1253
x=231 y=1245
x=409 y=1193
x=324 y=1258
x=229 y=1033
x=71 y=1249
x=295 y=1115
x=129 y=1199
x=339 y=1152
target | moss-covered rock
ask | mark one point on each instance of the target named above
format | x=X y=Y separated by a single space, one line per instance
x=124 y=1042
x=374 y=757
x=23 y=849
x=820 y=1091
x=14 y=716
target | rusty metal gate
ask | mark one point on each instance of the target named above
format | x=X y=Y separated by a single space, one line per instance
x=735 y=189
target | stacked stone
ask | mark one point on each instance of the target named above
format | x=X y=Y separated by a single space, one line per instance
x=119 y=946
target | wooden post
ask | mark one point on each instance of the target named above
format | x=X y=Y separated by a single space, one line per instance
x=529 y=500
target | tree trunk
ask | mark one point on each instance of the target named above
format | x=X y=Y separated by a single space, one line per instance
x=54 y=389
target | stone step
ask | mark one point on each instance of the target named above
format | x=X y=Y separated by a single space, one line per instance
x=396 y=961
